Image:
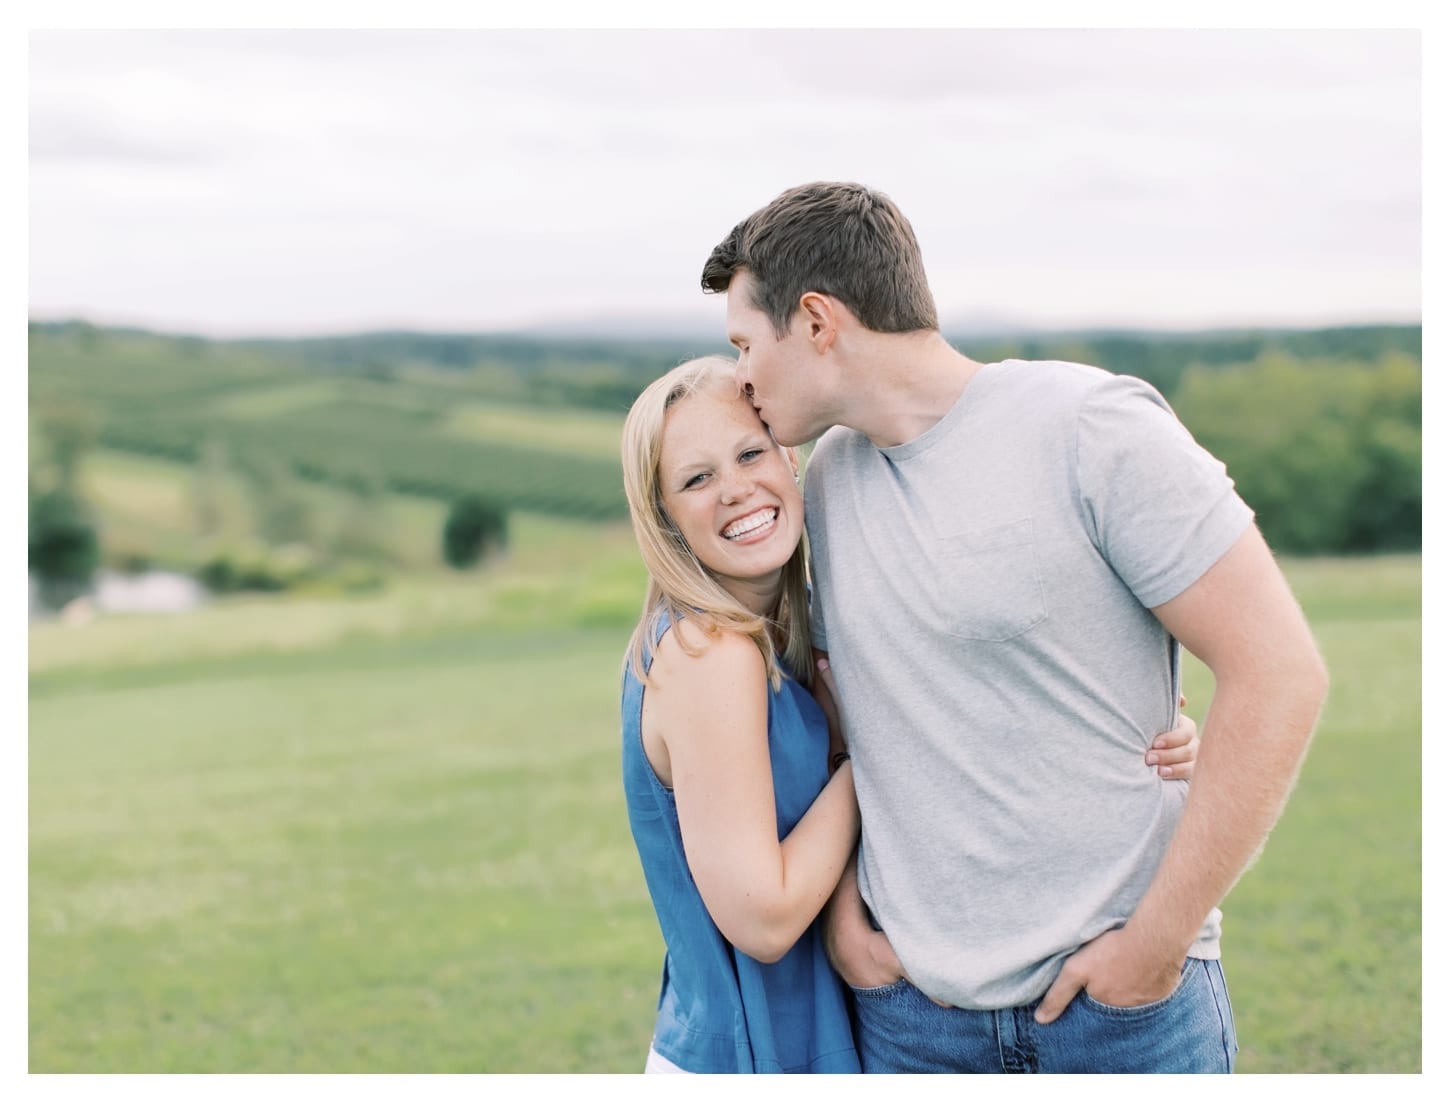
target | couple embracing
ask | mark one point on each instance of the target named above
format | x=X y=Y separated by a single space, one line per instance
x=928 y=812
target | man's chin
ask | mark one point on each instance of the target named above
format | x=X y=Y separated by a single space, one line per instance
x=789 y=440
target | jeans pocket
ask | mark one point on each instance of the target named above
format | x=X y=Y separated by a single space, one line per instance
x=886 y=990
x=1185 y=978
x=992 y=587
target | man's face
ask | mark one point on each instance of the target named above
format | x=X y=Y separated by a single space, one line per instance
x=777 y=373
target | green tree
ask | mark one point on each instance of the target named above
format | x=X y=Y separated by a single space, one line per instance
x=1387 y=509
x=1326 y=453
x=64 y=546
x=475 y=529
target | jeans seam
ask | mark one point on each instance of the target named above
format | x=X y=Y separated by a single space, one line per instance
x=1223 y=1027
x=1026 y=1040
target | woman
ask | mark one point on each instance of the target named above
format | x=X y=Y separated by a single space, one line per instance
x=742 y=827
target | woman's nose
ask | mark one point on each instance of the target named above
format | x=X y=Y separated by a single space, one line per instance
x=734 y=487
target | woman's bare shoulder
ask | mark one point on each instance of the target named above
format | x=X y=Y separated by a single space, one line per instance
x=704 y=668
x=688 y=641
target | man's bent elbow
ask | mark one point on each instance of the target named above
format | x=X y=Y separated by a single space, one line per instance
x=1310 y=689
x=1314 y=681
x=1321 y=680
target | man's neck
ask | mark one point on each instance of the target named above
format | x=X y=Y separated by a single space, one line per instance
x=903 y=384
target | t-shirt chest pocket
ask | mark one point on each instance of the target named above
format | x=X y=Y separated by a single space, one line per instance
x=991 y=584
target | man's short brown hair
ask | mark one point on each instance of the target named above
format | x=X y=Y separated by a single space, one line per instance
x=843 y=240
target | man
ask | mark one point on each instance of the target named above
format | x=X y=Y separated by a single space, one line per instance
x=1005 y=556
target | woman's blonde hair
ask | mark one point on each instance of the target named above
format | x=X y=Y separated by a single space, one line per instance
x=679 y=585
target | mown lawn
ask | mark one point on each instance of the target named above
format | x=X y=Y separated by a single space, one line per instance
x=371 y=835
x=1322 y=935
x=385 y=834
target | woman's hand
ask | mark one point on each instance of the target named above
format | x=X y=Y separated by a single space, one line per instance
x=1174 y=753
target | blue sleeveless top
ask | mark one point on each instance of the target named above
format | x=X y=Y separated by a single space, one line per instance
x=719 y=1009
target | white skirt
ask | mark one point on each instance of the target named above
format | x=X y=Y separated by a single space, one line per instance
x=658 y=1065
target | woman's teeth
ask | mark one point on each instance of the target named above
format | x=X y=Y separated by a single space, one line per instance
x=754 y=522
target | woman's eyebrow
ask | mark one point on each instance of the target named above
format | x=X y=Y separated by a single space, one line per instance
x=686 y=466
x=750 y=438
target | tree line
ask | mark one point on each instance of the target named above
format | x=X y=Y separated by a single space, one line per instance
x=1327 y=453
x=607 y=374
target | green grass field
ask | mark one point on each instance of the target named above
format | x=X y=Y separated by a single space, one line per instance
x=431 y=434
x=385 y=834
x=1322 y=935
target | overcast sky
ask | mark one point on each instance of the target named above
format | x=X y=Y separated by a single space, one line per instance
x=253 y=182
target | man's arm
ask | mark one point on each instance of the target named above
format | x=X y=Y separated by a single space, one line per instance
x=1241 y=619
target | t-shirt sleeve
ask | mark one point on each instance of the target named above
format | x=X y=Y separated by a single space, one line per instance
x=1160 y=508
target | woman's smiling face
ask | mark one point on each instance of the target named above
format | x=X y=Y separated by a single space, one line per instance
x=731 y=491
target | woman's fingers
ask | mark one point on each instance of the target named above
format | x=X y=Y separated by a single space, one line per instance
x=1174 y=752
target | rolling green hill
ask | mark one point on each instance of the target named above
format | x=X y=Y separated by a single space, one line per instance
x=534 y=423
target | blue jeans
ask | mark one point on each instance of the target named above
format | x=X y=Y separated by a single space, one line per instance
x=898 y=1029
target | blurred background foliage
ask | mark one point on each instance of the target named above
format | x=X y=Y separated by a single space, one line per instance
x=1320 y=429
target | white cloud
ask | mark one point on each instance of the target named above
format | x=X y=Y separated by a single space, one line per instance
x=269 y=181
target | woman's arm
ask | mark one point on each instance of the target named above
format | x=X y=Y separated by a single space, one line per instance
x=711 y=712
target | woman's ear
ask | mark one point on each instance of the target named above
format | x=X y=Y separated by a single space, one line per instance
x=795 y=463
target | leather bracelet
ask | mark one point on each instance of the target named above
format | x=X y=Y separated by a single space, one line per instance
x=839 y=757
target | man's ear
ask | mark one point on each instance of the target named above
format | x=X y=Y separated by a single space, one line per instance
x=822 y=319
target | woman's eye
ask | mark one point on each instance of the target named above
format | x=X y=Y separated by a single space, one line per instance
x=695 y=481
x=747 y=456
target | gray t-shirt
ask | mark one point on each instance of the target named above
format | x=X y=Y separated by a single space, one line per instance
x=984 y=592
